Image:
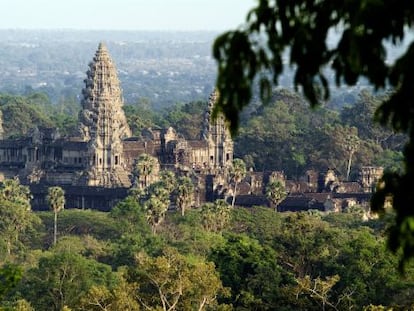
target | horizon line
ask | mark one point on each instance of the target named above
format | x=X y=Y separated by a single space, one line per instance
x=112 y=30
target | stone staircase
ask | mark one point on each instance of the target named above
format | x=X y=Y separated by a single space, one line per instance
x=123 y=178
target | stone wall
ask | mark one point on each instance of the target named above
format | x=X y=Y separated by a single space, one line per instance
x=99 y=198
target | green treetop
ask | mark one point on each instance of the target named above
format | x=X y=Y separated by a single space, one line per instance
x=255 y=52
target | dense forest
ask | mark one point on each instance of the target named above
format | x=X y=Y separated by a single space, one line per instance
x=212 y=258
x=140 y=256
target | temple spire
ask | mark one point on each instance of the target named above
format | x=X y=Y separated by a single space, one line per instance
x=102 y=122
x=216 y=133
x=102 y=46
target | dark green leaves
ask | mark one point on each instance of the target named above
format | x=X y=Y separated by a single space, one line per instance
x=10 y=275
x=303 y=26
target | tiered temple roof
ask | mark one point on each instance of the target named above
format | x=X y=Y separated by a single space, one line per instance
x=102 y=122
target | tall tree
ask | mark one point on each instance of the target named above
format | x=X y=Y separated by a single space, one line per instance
x=15 y=214
x=145 y=166
x=11 y=190
x=102 y=298
x=184 y=193
x=215 y=216
x=61 y=279
x=237 y=173
x=276 y=192
x=342 y=142
x=318 y=289
x=56 y=199
x=176 y=282
x=351 y=144
x=303 y=27
x=156 y=205
x=168 y=179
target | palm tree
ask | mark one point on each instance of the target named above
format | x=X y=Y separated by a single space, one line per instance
x=215 y=216
x=168 y=180
x=144 y=167
x=223 y=211
x=237 y=173
x=208 y=217
x=156 y=205
x=56 y=200
x=185 y=190
x=276 y=192
x=11 y=190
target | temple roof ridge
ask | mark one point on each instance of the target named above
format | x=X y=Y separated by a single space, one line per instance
x=102 y=49
x=102 y=98
x=102 y=46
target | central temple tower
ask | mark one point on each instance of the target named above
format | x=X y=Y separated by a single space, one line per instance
x=102 y=123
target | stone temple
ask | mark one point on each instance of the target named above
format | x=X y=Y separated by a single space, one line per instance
x=96 y=166
x=102 y=124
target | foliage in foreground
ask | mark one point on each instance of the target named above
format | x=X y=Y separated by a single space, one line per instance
x=257 y=259
x=256 y=52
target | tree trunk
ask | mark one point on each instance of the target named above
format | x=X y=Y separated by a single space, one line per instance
x=234 y=195
x=55 y=230
x=348 y=169
x=202 y=303
x=182 y=210
x=9 y=247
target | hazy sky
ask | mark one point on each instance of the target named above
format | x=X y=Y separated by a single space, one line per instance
x=124 y=14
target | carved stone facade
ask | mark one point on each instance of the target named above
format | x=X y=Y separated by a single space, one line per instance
x=102 y=123
x=96 y=167
x=370 y=175
x=218 y=138
x=104 y=153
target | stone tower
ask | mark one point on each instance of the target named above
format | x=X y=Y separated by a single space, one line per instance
x=370 y=175
x=217 y=134
x=102 y=123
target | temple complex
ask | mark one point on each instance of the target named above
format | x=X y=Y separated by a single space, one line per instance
x=96 y=167
x=103 y=154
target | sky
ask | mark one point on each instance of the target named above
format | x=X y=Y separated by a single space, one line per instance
x=183 y=15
